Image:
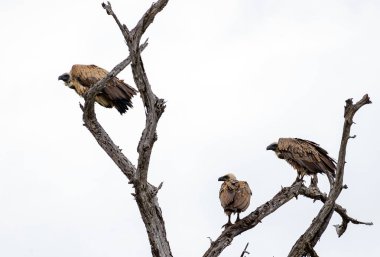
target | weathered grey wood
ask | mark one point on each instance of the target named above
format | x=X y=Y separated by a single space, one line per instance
x=145 y=193
x=316 y=194
x=92 y=124
x=312 y=235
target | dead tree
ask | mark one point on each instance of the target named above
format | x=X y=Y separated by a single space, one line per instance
x=146 y=193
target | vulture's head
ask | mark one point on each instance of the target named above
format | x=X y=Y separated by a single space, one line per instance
x=65 y=77
x=274 y=147
x=227 y=177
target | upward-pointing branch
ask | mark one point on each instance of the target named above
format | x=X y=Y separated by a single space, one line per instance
x=145 y=193
x=89 y=96
x=319 y=224
x=92 y=124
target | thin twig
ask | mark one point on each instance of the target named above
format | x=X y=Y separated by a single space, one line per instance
x=245 y=250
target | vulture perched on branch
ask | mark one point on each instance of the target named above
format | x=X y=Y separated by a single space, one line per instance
x=116 y=93
x=307 y=157
x=234 y=196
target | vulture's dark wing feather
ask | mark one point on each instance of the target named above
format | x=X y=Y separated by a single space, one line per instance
x=325 y=162
x=117 y=90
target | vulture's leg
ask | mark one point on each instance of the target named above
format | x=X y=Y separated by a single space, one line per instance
x=298 y=178
x=314 y=181
x=237 y=218
x=228 y=223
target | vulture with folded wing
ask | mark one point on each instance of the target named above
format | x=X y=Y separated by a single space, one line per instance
x=234 y=196
x=116 y=94
x=307 y=157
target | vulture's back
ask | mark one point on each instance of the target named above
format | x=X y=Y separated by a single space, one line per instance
x=306 y=156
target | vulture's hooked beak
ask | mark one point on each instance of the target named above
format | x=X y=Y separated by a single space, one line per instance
x=65 y=77
x=272 y=147
x=224 y=178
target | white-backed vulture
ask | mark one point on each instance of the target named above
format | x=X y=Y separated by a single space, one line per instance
x=307 y=157
x=116 y=93
x=234 y=196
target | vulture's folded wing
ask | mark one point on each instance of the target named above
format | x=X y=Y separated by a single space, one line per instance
x=242 y=196
x=226 y=194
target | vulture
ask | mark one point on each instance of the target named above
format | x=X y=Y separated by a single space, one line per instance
x=116 y=94
x=307 y=157
x=234 y=196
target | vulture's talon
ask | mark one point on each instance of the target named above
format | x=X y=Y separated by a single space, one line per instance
x=228 y=224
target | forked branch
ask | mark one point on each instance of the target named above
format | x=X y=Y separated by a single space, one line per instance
x=312 y=235
x=145 y=193
x=315 y=194
x=92 y=124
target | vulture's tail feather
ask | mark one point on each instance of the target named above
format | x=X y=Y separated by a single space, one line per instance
x=122 y=105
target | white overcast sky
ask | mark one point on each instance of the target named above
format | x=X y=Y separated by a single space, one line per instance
x=237 y=75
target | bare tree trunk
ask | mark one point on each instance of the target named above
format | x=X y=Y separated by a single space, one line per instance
x=309 y=239
x=145 y=193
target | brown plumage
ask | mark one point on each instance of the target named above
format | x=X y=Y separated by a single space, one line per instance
x=307 y=157
x=116 y=94
x=234 y=196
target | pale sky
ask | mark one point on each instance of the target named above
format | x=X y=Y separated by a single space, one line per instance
x=237 y=75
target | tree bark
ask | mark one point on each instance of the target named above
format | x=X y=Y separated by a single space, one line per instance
x=312 y=235
x=145 y=193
